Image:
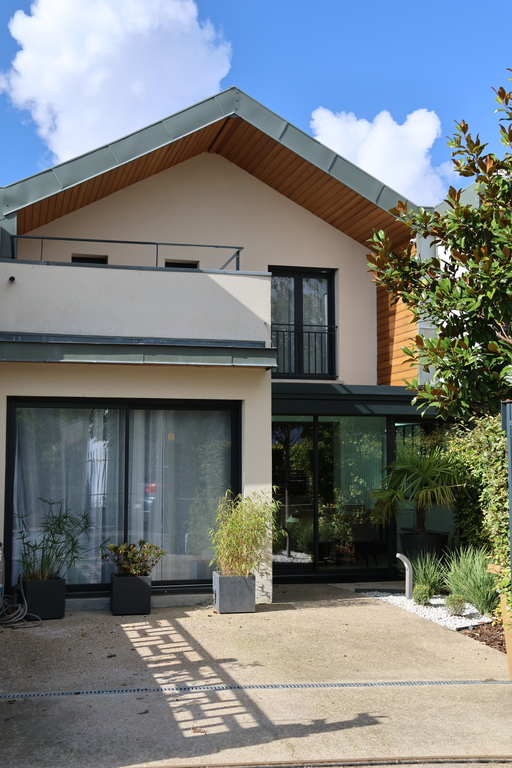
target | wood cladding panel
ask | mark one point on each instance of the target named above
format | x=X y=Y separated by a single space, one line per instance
x=320 y=194
x=395 y=326
x=334 y=202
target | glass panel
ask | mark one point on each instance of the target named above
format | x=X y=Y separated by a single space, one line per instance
x=315 y=324
x=314 y=300
x=283 y=322
x=77 y=456
x=440 y=520
x=351 y=455
x=292 y=464
x=179 y=467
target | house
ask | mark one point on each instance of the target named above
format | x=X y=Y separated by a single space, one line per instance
x=187 y=310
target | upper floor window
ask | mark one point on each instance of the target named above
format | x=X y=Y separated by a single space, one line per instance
x=182 y=264
x=303 y=322
x=85 y=258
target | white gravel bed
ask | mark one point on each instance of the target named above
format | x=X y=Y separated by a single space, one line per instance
x=295 y=557
x=436 y=611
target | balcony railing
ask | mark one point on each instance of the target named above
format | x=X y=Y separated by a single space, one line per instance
x=142 y=252
x=304 y=351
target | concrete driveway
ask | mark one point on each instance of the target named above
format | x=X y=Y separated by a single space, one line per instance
x=323 y=674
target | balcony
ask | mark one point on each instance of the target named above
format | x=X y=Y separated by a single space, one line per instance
x=304 y=351
x=95 y=312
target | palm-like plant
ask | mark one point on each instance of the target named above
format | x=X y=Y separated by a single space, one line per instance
x=420 y=479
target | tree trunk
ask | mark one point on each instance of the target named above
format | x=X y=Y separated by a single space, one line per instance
x=420 y=520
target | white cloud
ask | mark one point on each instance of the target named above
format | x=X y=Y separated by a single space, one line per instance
x=91 y=71
x=398 y=155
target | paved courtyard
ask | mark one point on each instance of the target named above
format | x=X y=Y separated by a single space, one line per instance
x=323 y=674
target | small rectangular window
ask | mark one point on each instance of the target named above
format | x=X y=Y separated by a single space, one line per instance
x=85 y=258
x=182 y=264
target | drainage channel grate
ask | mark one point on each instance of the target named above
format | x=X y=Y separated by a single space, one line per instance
x=253 y=687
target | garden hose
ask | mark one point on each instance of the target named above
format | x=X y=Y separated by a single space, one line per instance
x=13 y=610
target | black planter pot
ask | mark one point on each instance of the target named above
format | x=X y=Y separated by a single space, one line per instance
x=46 y=599
x=433 y=543
x=130 y=595
x=234 y=594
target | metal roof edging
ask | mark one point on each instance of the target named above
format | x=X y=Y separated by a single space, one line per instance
x=227 y=103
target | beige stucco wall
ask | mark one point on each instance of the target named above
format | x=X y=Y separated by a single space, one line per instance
x=131 y=302
x=209 y=200
x=250 y=386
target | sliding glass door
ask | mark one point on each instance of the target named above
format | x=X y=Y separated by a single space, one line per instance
x=72 y=457
x=179 y=467
x=324 y=469
x=152 y=473
x=351 y=456
x=294 y=481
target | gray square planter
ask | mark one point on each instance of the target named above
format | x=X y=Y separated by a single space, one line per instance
x=46 y=599
x=130 y=595
x=234 y=594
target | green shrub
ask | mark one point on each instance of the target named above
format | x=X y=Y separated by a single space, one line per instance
x=301 y=534
x=455 y=604
x=421 y=594
x=133 y=559
x=50 y=552
x=417 y=479
x=482 y=510
x=467 y=575
x=428 y=569
x=280 y=541
x=243 y=527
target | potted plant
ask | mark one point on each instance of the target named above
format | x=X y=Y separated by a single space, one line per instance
x=47 y=553
x=130 y=591
x=421 y=479
x=243 y=528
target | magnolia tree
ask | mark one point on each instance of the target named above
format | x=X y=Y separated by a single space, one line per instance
x=463 y=288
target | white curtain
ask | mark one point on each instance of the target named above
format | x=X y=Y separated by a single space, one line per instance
x=72 y=456
x=179 y=466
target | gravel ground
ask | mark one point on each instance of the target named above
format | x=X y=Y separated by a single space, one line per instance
x=436 y=611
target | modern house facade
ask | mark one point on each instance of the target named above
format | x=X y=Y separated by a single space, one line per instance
x=188 y=310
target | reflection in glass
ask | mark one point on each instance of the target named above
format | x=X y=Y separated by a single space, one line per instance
x=324 y=479
x=292 y=461
x=351 y=452
x=283 y=322
x=315 y=321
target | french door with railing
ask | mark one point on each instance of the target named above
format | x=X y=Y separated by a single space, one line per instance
x=303 y=328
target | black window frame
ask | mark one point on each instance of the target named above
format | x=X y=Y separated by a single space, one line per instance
x=298 y=274
x=234 y=407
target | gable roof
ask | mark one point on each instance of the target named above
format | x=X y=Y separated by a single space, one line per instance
x=239 y=129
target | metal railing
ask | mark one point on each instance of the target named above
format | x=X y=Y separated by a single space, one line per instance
x=156 y=245
x=304 y=351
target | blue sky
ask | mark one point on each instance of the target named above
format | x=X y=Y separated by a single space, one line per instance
x=376 y=81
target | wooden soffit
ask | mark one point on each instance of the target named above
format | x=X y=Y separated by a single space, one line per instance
x=250 y=136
